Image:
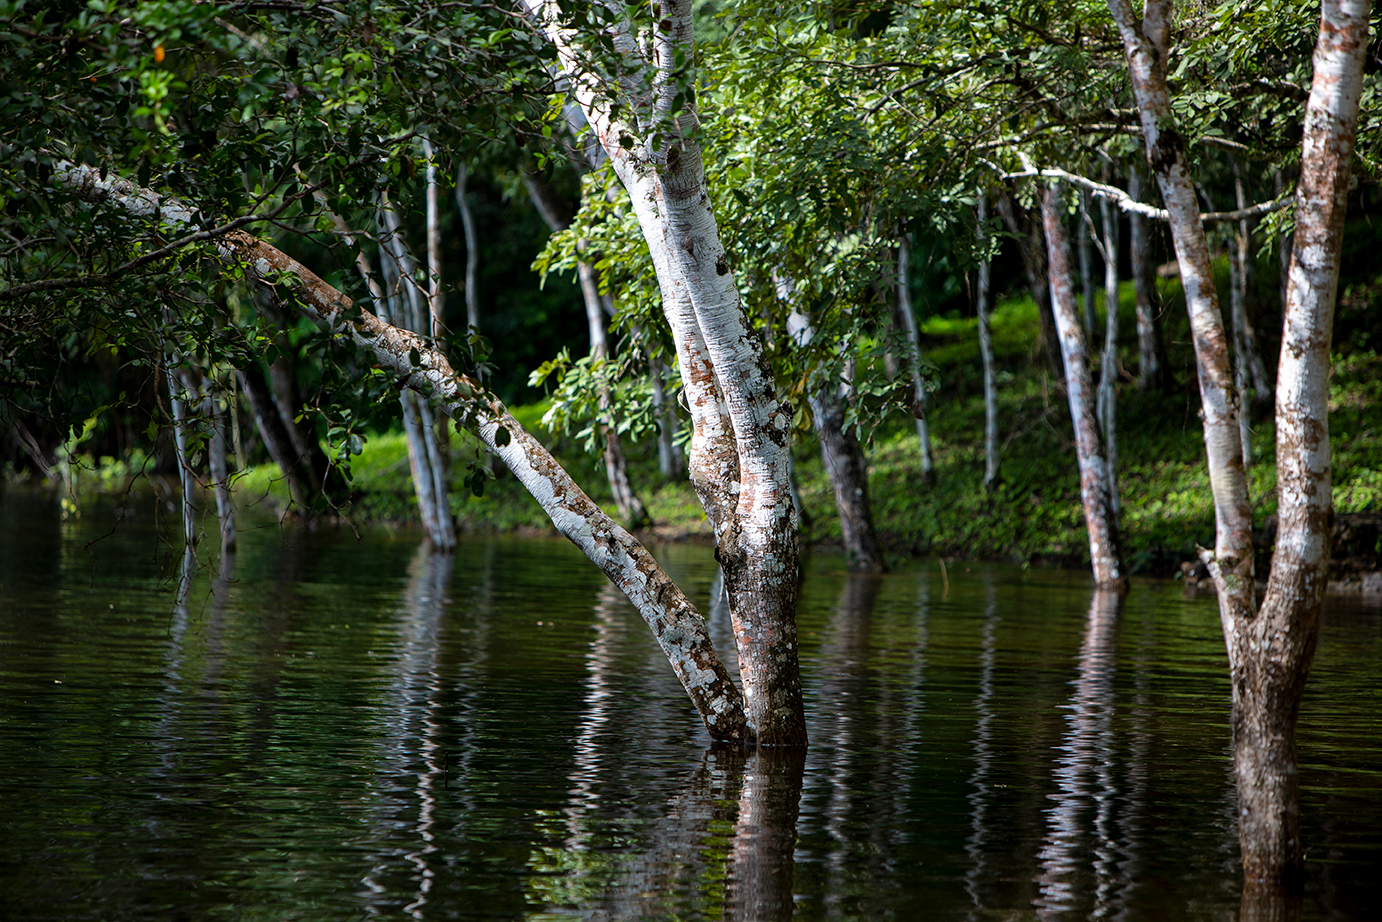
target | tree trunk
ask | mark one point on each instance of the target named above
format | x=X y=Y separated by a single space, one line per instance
x=1032 y=247
x=178 y=407
x=981 y=303
x=1108 y=366
x=670 y=462
x=909 y=324
x=1148 y=366
x=1145 y=43
x=741 y=440
x=1105 y=553
x=1086 y=226
x=276 y=439
x=843 y=458
x=436 y=301
x=403 y=302
x=1270 y=650
x=472 y=251
x=1271 y=654
x=1245 y=337
x=631 y=508
x=626 y=500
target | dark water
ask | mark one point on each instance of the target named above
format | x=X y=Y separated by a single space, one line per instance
x=351 y=729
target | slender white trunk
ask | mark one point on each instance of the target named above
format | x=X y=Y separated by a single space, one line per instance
x=436 y=301
x=404 y=301
x=472 y=249
x=844 y=463
x=669 y=457
x=1245 y=336
x=981 y=304
x=1148 y=366
x=909 y=323
x=1269 y=650
x=178 y=407
x=1105 y=553
x=1145 y=41
x=1086 y=267
x=626 y=499
x=1108 y=367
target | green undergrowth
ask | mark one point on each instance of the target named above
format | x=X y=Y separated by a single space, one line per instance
x=1033 y=515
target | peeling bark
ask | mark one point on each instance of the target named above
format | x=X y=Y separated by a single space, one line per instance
x=1270 y=649
x=741 y=433
x=1105 y=552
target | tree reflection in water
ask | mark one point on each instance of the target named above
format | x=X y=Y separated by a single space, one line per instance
x=413 y=762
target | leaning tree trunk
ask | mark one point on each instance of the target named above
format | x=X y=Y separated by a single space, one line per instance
x=1105 y=553
x=678 y=627
x=981 y=303
x=1269 y=649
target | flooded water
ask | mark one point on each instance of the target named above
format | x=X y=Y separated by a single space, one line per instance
x=351 y=729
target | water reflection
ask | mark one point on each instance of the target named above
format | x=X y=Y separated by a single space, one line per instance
x=352 y=730
x=1083 y=774
x=413 y=763
x=980 y=835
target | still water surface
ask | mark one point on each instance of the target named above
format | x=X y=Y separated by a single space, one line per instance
x=348 y=729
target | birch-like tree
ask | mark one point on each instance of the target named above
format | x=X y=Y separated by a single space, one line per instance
x=1096 y=489
x=1271 y=644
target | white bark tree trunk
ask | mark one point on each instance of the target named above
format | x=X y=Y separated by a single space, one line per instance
x=1244 y=335
x=981 y=303
x=1148 y=365
x=1145 y=41
x=1108 y=366
x=678 y=627
x=404 y=301
x=1086 y=267
x=909 y=324
x=177 y=406
x=1269 y=649
x=843 y=459
x=1105 y=553
x=472 y=250
x=741 y=440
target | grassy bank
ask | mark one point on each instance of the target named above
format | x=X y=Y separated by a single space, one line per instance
x=1034 y=515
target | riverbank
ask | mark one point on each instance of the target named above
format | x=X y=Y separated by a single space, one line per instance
x=1033 y=517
